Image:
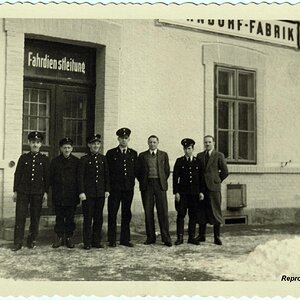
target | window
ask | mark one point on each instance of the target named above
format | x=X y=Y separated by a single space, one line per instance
x=36 y=112
x=236 y=114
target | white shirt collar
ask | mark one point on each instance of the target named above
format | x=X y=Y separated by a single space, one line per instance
x=121 y=149
x=155 y=151
x=186 y=157
x=210 y=151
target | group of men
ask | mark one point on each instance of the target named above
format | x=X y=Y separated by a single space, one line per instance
x=95 y=178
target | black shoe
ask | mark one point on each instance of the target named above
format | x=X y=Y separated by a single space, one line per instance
x=87 y=247
x=200 y=238
x=149 y=242
x=168 y=244
x=17 y=247
x=179 y=240
x=69 y=243
x=193 y=241
x=31 y=244
x=97 y=245
x=58 y=243
x=112 y=244
x=218 y=241
x=127 y=244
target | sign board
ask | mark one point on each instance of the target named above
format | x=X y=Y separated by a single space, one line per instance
x=58 y=61
x=276 y=32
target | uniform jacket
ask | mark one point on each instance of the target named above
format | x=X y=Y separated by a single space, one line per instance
x=163 y=169
x=32 y=174
x=93 y=175
x=122 y=169
x=186 y=176
x=64 y=180
x=214 y=172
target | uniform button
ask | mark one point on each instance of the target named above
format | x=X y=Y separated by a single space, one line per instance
x=33 y=165
x=124 y=160
x=125 y=174
x=32 y=170
x=97 y=167
x=32 y=179
x=33 y=161
x=190 y=167
x=125 y=169
x=96 y=180
x=97 y=171
x=96 y=161
x=32 y=175
x=191 y=181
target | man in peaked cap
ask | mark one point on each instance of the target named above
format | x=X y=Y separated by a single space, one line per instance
x=31 y=186
x=122 y=163
x=187 y=191
x=93 y=176
x=64 y=183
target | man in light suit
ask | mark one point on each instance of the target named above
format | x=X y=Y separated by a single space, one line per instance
x=215 y=171
x=153 y=173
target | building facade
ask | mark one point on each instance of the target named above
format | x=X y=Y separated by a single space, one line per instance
x=237 y=80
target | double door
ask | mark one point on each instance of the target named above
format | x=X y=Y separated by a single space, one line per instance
x=58 y=111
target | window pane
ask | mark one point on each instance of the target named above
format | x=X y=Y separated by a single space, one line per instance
x=246 y=116
x=226 y=84
x=33 y=124
x=33 y=95
x=246 y=84
x=75 y=117
x=223 y=113
x=42 y=110
x=246 y=145
x=33 y=109
x=42 y=124
x=43 y=95
x=223 y=143
x=26 y=95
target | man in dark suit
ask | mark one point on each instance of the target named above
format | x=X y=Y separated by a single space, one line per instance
x=122 y=163
x=64 y=183
x=215 y=171
x=187 y=191
x=93 y=190
x=31 y=187
x=154 y=170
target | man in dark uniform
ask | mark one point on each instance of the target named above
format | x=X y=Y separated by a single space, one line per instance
x=153 y=173
x=63 y=179
x=122 y=163
x=31 y=186
x=187 y=191
x=94 y=189
x=215 y=171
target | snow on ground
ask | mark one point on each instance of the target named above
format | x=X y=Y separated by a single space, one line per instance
x=268 y=262
x=247 y=255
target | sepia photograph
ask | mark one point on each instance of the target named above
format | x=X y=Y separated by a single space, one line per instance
x=149 y=150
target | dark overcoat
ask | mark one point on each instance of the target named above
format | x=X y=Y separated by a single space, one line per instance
x=64 y=180
x=214 y=173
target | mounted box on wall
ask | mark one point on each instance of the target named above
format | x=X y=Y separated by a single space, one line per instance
x=236 y=196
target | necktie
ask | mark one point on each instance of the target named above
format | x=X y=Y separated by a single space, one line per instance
x=153 y=153
x=124 y=151
x=206 y=157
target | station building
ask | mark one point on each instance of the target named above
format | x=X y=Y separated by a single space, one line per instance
x=235 y=79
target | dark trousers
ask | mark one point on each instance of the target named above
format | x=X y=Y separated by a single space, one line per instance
x=34 y=202
x=190 y=204
x=64 y=222
x=154 y=194
x=210 y=208
x=114 y=200
x=92 y=210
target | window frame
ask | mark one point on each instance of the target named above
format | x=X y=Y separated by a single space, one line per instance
x=233 y=138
